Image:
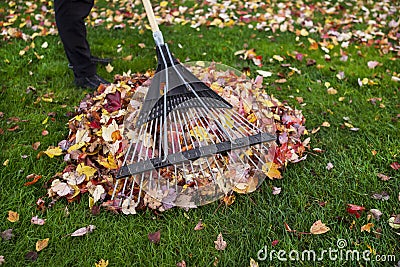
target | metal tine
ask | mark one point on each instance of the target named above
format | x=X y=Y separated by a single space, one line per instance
x=125 y=159
x=186 y=144
x=139 y=158
x=208 y=163
x=241 y=118
x=153 y=151
x=201 y=169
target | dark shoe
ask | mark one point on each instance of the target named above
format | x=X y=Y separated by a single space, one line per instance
x=91 y=82
x=102 y=61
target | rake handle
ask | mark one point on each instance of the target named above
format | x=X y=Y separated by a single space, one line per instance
x=150 y=15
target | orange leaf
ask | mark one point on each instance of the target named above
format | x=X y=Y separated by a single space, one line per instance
x=41 y=244
x=34 y=177
x=270 y=169
x=367 y=227
x=13 y=216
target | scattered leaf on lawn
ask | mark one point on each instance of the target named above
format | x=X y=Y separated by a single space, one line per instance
x=2 y=260
x=329 y=166
x=367 y=227
x=383 y=177
x=253 y=263
x=84 y=230
x=394 y=221
x=395 y=166
x=7 y=234
x=319 y=228
x=181 y=264
x=101 y=263
x=376 y=213
x=13 y=216
x=34 y=177
x=31 y=256
x=275 y=242
x=42 y=244
x=38 y=221
x=154 y=237
x=35 y=145
x=199 y=226
x=276 y=190
x=220 y=244
x=53 y=151
x=109 y=68
x=354 y=209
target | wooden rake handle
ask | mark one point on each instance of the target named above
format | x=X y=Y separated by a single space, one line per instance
x=150 y=15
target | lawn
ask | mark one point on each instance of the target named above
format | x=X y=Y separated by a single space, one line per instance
x=336 y=61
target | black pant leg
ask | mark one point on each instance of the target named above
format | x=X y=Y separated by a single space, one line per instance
x=70 y=19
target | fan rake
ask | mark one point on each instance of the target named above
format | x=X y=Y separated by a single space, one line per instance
x=188 y=145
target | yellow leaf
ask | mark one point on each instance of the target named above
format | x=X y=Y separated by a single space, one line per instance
x=163 y=3
x=53 y=151
x=76 y=147
x=13 y=216
x=326 y=124
x=5 y=163
x=270 y=169
x=109 y=68
x=86 y=170
x=277 y=58
x=200 y=133
x=78 y=117
x=108 y=162
x=253 y=263
x=42 y=244
x=319 y=228
x=45 y=120
x=101 y=263
x=367 y=227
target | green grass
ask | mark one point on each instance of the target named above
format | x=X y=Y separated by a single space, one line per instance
x=254 y=220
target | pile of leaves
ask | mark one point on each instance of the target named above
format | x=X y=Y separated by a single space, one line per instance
x=95 y=147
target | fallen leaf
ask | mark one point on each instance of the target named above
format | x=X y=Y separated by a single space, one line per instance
x=101 y=263
x=367 y=227
x=109 y=68
x=86 y=170
x=7 y=234
x=376 y=213
x=276 y=190
x=31 y=256
x=319 y=228
x=326 y=124
x=270 y=169
x=154 y=237
x=329 y=166
x=264 y=73
x=394 y=221
x=253 y=263
x=372 y=64
x=181 y=264
x=53 y=151
x=354 y=209
x=84 y=230
x=220 y=244
x=34 y=177
x=35 y=145
x=199 y=226
x=99 y=190
x=2 y=260
x=395 y=166
x=275 y=242
x=5 y=163
x=13 y=216
x=42 y=244
x=38 y=221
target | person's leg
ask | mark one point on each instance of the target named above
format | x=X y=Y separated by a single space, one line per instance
x=70 y=19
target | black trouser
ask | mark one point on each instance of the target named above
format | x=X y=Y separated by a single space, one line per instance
x=70 y=19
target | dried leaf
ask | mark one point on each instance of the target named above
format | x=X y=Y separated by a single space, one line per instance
x=354 y=209
x=13 y=216
x=367 y=227
x=42 y=244
x=220 y=244
x=253 y=263
x=199 y=226
x=31 y=256
x=86 y=170
x=276 y=190
x=53 y=151
x=101 y=263
x=84 y=230
x=319 y=228
x=7 y=234
x=376 y=213
x=34 y=177
x=38 y=221
x=270 y=169
x=154 y=237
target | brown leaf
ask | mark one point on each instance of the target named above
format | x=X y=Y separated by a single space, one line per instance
x=31 y=256
x=34 y=177
x=383 y=177
x=319 y=228
x=13 y=216
x=42 y=244
x=7 y=234
x=35 y=145
x=220 y=244
x=154 y=237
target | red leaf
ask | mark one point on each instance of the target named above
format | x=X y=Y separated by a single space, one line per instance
x=395 y=165
x=354 y=209
x=113 y=102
